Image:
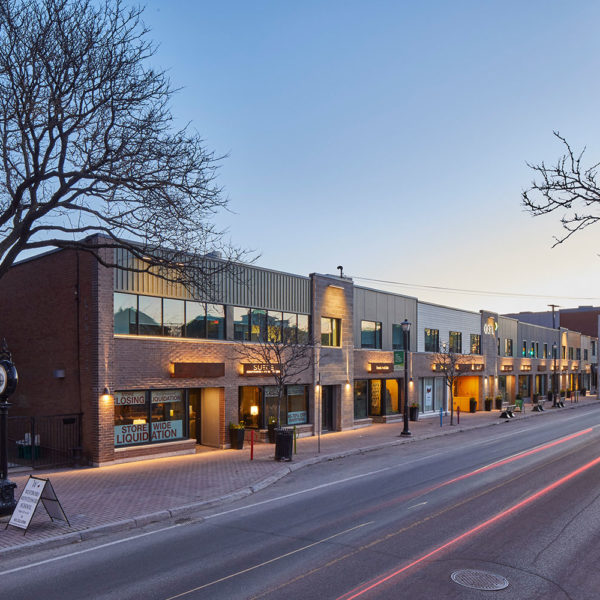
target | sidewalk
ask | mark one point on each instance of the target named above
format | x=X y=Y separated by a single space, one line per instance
x=98 y=501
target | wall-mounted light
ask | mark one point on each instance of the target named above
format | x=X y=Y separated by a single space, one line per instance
x=254 y=410
x=347 y=384
x=106 y=396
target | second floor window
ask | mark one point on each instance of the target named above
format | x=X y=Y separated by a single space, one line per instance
x=330 y=331
x=524 y=353
x=397 y=337
x=432 y=340
x=475 y=343
x=370 y=334
x=455 y=342
x=508 y=347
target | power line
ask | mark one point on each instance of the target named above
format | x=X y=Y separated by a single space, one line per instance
x=474 y=292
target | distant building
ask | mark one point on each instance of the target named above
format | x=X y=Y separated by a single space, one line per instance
x=583 y=318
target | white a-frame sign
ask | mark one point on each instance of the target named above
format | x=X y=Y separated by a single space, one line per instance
x=35 y=490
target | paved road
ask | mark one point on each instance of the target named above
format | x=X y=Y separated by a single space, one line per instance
x=387 y=524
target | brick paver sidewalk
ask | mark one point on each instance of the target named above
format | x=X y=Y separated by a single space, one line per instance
x=131 y=495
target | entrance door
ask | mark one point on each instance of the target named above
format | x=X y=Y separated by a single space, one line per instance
x=327 y=407
x=204 y=416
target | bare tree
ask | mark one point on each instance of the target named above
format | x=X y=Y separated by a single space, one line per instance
x=568 y=186
x=451 y=365
x=282 y=353
x=90 y=155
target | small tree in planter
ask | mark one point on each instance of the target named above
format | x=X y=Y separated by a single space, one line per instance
x=498 y=402
x=413 y=413
x=488 y=403
x=283 y=353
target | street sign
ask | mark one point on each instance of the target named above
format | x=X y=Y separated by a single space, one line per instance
x=35 y=490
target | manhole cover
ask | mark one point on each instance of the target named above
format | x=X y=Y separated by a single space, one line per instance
x=479 y=580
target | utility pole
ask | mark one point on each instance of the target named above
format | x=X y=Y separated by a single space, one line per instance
x=554 y=351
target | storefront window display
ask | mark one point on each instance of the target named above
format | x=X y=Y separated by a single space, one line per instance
x=258 y=403
x=145 y=417
x=525 y=386
x=431 y=393
x=376 y=397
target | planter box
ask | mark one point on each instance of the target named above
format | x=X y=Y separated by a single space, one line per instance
x=236 y=437
x=413 y=413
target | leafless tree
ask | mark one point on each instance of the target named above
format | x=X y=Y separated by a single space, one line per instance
x=281 y=351
x=567 y=186
x=91 y=158
x=451 y=365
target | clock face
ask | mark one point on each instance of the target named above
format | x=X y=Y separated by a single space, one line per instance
x=3 y=379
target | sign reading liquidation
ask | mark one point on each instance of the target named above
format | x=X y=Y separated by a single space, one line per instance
x=138 y=430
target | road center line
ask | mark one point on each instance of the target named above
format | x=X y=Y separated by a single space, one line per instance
x=268 y=562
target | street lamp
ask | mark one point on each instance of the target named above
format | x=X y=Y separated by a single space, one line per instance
x=406 y=339
x=8 y=383
x=554 y=377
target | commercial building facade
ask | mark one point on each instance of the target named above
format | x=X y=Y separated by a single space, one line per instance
x=155 y=370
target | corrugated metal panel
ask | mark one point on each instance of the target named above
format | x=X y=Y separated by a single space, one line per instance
x=446 y=320
x=243 y=285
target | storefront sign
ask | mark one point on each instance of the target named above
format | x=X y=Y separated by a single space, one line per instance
x=164 y=396
x=138 y=433
x=381 y=367
x=490 y=326
x=525 y=367
x=541 y=367
x=506 y=367
x=128 y=398
x=297 y=417
x=254 y=369
x=193 y=370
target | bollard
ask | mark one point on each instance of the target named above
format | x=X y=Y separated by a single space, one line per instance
x=252 y=444
x=295 y=438
x=458 y=415
x=441 y=417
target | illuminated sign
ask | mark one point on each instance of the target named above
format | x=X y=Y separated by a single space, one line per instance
x=257 y=369
x=381 y=367
x=525 y=367
x=506 y=367
x=491 y=326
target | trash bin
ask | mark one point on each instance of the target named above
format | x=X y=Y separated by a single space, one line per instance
x=472 y=405
x=284 y=443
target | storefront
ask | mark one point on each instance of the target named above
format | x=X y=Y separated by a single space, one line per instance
x=258 y=404
x=524 y=389
x=149 y=416
x=377 y=398
x=432 y=394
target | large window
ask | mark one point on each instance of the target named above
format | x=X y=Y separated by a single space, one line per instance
x=508 y=347
x=144 y=417
x=259 y=325
x=370 y=334
x=524 y=352
x=150 y=315
x=361 y=398
x=258 y=403
x=455 y=342
x=578 y=353
x=330 y=331
x=475 y=343
x=432 y=340
x=397 y=337
x=570 y=352
x=545 y=350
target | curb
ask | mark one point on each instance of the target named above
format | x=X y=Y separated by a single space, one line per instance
x=187 y=511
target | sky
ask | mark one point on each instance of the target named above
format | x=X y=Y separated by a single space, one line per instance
x=392 y=137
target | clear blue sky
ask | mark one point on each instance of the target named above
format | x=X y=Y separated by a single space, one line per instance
x=391 y=137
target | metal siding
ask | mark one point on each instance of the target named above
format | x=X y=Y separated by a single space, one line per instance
x=249 y=286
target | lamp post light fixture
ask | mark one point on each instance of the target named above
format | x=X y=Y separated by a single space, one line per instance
x=406 y=339
x=554 y=377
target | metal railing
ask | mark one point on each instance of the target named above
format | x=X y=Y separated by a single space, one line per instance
x=43 y=442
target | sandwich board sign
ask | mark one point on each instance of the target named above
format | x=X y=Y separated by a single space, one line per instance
x=35 y=490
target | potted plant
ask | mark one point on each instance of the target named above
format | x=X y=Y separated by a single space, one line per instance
x=562 y=393
x=236 y=435
x=498 y=402
x=413 y=411
x=271 y=426
x=583 y=391
x=472 y=405
x=488 y=403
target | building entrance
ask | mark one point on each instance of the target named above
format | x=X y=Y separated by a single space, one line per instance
x=203 y=415
x=327 y=407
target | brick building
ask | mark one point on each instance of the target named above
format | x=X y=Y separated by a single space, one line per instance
x=153 y=370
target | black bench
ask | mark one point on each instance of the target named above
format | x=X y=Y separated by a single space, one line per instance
x=508 y=411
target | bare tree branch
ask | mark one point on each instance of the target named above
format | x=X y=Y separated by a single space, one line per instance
x=88 y=144
x=567 y=187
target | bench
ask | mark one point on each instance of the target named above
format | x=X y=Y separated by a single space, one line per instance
x=508 y=411
x=539 y=405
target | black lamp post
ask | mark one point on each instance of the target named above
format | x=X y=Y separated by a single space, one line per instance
x=554 y=378
x=406 y=340
x=8 y=384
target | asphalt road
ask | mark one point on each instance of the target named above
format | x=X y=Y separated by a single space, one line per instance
x=516 y=504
